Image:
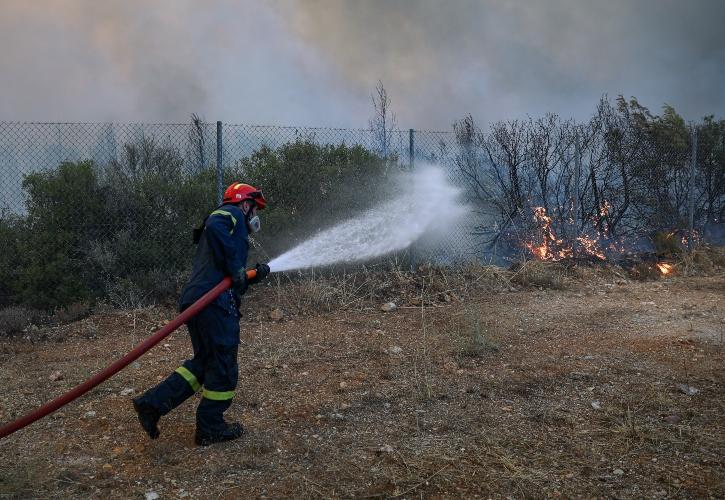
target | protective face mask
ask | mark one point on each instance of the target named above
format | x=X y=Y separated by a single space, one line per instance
x=254 y=224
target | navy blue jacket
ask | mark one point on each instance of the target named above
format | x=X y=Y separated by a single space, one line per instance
x=221 y=251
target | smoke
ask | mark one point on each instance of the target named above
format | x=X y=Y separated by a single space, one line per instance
x=502 y=59
x=315 y=62
x=84 y=60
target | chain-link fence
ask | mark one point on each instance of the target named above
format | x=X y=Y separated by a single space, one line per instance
x=93 y=210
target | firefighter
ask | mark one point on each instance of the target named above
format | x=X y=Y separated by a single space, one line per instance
x=222 y=246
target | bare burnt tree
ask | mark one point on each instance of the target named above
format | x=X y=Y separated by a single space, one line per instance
x=383 y=124
x=505 y=150
x=494 y=166
x=196 y=139
x=613 y=145
x=548 y=141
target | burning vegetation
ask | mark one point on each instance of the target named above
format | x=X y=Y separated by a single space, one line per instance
x=548 y=246
x=544 y=243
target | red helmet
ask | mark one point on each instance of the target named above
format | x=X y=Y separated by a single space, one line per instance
x=239 y=192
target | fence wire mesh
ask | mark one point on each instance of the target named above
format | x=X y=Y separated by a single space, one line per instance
x=106 y=210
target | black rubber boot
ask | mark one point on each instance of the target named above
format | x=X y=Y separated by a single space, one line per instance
x=148 y=416
x=229 y=432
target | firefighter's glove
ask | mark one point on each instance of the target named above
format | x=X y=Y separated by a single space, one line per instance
x=262 y=272
x=240 y=284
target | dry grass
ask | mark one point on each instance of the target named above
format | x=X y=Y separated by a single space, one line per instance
x=702 y=261
x=540 y=274
x=310 y=292
x=486 y=394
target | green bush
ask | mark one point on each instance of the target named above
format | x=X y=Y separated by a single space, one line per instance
x=65 y=212
x=10 y=236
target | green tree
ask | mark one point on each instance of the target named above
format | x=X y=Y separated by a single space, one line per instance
x=65 y=213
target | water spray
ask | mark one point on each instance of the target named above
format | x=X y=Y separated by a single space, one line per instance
x=429 y=203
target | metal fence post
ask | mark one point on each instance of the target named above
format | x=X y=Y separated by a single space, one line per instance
x=691 y=193
x=411 y=165
x=219 y=159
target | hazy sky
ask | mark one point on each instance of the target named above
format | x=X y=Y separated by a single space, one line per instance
x=315 y=62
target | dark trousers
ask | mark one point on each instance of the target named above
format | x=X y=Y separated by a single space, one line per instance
x=213 y=368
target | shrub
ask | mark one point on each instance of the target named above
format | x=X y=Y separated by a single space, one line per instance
x=14 y=320
x=10 y=237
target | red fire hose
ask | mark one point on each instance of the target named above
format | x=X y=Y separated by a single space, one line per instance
x=118 y=365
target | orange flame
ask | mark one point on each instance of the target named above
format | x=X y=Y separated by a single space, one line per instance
x=665 y=269
x=554 y=248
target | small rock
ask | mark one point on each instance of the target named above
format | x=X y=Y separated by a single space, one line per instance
x=386 y=448
x=89 y=414
x=388 y=307
x=596 y=405
x=618 y=472
x=107 y=466
x=167 y=345
x=128 y=391
x=686 y=389
x=151 y=495
x=55 y=376
x=276 y=314
x=343 y=385
x=135 y=365
x=395 y=350
x=672 y=419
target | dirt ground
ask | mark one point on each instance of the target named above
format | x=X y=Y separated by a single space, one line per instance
x=605 y=388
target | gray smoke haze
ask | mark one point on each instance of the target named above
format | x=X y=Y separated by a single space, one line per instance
x=315 y=62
